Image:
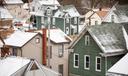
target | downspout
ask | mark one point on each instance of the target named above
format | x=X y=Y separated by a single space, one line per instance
x=105 y=65
x=21 y=52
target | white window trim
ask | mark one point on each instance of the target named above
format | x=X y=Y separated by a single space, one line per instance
x=96 y=64
x=75 y=20
x=37 y=40
x=74 y=61
x=67 y=30
x=87 y=39
x=53 y=21
x=85 y=62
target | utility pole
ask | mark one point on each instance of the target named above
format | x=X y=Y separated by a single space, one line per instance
x=49 y=14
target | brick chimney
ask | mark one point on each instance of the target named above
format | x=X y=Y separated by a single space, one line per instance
x=44 y=46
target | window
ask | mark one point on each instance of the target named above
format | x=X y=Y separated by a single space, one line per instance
x=67 y=30
x=112 y=18
x=37 y=40
x=98 y=63
x=87 y=62
x=96 y=22
x=42 y=20
x=67 y=20
x=61 y=50
x=50 y=51
x=87 y=40
x=75 y=20
x=60 y=67
x=76 y=60
x=14 y=52
x=53 y=21
x=33 y=8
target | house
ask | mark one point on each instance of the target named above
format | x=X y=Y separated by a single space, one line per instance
x=95 y=16
x=6 y=20
x=59 y=42
x=15 y=7
x=38 y=10
x=117 y=14
x=67 y=19
x=18 y=66
x=120 y=68
x=96 y=49
x=25 y=44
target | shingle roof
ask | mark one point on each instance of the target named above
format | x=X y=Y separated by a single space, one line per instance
x=19 y=38
x=10 y=65
x=109 y=38
x=70 y=9
x=4 y=13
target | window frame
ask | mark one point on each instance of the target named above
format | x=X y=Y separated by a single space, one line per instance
x=37 y=40
x=86 y=61
x=61 y=50
x=75 y=66
x=67 y=30
x=87 y=40
x=96 y=64
x=53 y=20
x=75 y=20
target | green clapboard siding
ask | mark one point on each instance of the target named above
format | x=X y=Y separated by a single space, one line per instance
x=93 y=50
x=60 y=23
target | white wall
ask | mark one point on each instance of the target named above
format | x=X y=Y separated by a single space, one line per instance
x=55 y=61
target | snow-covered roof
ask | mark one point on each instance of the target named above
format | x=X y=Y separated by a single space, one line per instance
x=13 y=1
x=70 y=9
x=4 y=13
x=120 y=13
x=49 y=2
x=121 y=67
x=109 y=37
x=19 y=38
x=58 y=36
x=11 y=65
x=1 y=43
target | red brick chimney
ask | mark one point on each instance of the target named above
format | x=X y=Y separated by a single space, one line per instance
x=44 y=45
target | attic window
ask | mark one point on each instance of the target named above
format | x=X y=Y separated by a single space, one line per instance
x=75 y=20
x=37 y=40
x=67 y=30
x=112 y=18
x=87 y=40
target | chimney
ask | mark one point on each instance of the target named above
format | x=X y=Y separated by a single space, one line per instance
x=100 y=9
x=44 y=45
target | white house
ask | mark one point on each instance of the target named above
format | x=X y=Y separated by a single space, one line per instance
x=16 y=9
x=95 y=16
x=117 y=14
x=59 y=42
x=25 y=44
x=18 y=66
x=120 y=68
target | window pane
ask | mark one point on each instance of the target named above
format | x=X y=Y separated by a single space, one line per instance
x=87 y=65
x=98 y=66
x=98 y=60
x=87 y=59
x=76 y=63
x=76 y=57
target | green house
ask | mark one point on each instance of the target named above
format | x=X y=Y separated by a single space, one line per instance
x=67 y=19
x=96 y=49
